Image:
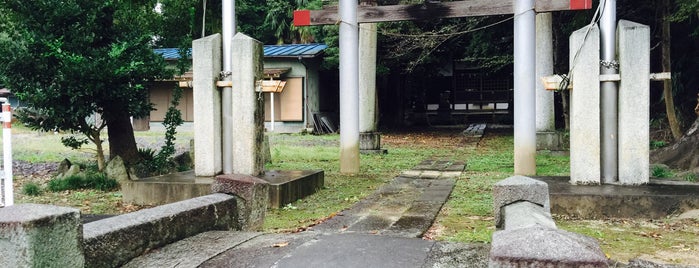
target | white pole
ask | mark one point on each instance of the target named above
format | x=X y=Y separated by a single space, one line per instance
x=524 y=85
x=271 y=108
x=7 y=152
x=349 y=87
x=227 y=92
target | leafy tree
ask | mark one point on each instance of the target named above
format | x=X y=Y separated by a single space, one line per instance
x=74 y=59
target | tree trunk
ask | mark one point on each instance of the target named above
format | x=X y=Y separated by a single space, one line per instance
x=667 y=84
x=97 y=140
x=566 y=110
x=683 y=154
x=121 y=138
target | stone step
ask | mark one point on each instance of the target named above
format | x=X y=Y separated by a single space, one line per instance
x=436 y=169
x=475 y=130
x=286 y=186
x=192 y=251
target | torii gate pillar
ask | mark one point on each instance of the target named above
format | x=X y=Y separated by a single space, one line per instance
x=524 y=84
x=349 y=87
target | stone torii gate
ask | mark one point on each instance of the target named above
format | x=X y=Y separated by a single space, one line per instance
x=349 y=15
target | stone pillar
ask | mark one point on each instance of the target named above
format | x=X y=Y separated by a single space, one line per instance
x=634 y=102
x=546 y=136
x=367 y=77
x=585 y=107
x=248 y=106
x=206 y=64
x=33 y=235
x=369 y=139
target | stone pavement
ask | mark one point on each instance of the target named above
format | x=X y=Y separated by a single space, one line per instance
x=383 y=230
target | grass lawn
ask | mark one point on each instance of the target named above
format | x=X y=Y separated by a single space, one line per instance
x=466 y=217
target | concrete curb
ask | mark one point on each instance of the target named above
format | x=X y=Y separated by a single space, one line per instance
x=114 y=241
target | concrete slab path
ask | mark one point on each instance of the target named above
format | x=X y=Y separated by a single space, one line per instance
x=383 y=230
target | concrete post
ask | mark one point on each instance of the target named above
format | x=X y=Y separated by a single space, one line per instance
x=544 y=67
x=34 y=235
x=206 y=64
x=524 y=95
x=369 y=139
x=585 y=107
x=546 y=136
x=349 y=88
x=367 y=77
x=248 y=107
x=634 y=102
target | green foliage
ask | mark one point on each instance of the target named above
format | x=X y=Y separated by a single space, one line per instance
x=173 y=119
x=161 y=162
x=661 y=172
x=73 y=142
x=31 y=189
x=686 y=9
x=690 y=177
x=657 y=144
x=87 y=180
x=77 y=58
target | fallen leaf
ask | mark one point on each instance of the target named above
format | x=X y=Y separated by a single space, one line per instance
x=280 y=244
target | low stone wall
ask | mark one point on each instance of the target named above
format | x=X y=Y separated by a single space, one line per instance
x=33 y=235
x=527 y=235
x=114 y=241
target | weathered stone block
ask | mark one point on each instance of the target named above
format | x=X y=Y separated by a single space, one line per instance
x=116 y=169
x=369 y=141
x=206 y=63
x=519 y=188
x=114 y=241
x=33 y=235
x=247 y=106
x=585 y=140
x=286 y=186
x=634 y=102
x=525 y=214
x=544 y=247
x=550 y=140
x=252 y=191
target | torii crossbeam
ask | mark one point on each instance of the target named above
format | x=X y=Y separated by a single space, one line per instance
x=457 y=9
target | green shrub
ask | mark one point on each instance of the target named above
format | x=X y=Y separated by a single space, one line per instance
x=691 y=177
x=661 y=172
x=88 y=180
x=68 y=183
x=32 y=189
x=99 y=181
x=657 y=144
